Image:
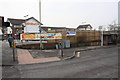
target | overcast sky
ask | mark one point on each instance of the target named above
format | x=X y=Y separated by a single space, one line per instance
x=63 y=13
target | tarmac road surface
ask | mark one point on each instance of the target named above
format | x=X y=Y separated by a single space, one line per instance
x=99 y=63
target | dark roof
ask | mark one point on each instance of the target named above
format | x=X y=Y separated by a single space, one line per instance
x=20 y=21
x=16 y=21
x=84 y=26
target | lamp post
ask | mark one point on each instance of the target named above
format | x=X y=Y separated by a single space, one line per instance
x=40 y=24
x=101 y=35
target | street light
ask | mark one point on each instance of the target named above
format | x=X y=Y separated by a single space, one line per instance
x=101 y=37
x=40 y=30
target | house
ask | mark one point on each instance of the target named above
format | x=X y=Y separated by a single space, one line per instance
x=84 y=27
x=48 y=28
x=19 y=26
x=32 y=25
x=15 y=28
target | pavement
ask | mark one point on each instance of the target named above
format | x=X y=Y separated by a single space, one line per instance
x=8 y=64
x=24 y=56
x=7 y=55
x=93 y=61
x=98 y=63
x=42 y=56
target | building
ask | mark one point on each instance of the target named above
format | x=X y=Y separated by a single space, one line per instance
x=32 y=25
x=15 y=28
x=48 y=28
x=19 y=26
x=110 y=37
x=84 y=27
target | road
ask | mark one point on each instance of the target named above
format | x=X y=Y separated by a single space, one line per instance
x=99 y=63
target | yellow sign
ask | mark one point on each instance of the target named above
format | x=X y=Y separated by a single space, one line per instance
x=45 y=36
x=31 y=23
x=28 y=36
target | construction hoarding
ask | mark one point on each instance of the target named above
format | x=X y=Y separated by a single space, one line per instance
x=45 y=36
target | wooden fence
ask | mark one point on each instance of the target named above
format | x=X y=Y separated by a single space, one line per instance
x=82 y=38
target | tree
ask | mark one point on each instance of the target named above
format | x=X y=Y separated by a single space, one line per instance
x=100 y=27
x=111 y=27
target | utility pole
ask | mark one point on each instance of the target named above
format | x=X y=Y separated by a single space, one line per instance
x=102 y=36
x=40 y=24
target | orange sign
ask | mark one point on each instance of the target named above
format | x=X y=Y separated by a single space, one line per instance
x=58 y=37
x=28 y=36
x=31 y=24
x=45 y=36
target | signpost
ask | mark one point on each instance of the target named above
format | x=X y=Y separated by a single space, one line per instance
x=61 y=49
x=13 y=50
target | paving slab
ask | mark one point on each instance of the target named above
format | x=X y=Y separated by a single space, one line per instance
x=24 y=57
x=7 y=54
